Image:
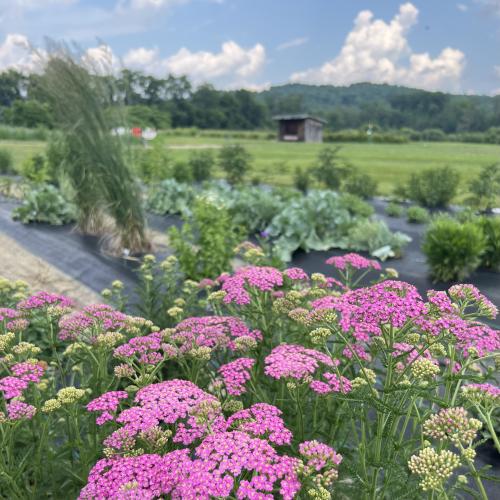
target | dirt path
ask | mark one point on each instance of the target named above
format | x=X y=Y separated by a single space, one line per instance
x=18 y=263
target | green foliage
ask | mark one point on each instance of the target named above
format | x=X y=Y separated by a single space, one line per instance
x=205 y=244
x=329 y=169
x=6 y=162
x=35 y=169
x=30 y=114
x=453 y=249
x=45 y=203
x=170 y=197
x=375 y=237
x=147 y=117
x=320 y=221
x=152 y=163
x=234 y=160
x=485 y=188
x=8 y=133
x=394 y=210
x=360 y=184
x=201 y=164
x=491 y=230
x=417 y=215
x=181 y=171
x=302 y=180
x=433 y=188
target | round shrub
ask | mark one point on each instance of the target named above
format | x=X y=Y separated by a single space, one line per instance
x=453 y=250
x=234 y=160
x=394 y=210
x=417 y=215
x=433 y=188
x=301 y=180
x=360 y=184
x=201 y=164
x=491 y=230
x=6 y=162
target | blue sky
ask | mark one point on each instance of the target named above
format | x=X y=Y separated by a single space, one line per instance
x=433 y=44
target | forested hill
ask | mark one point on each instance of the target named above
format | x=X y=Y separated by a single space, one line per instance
x=387 y=106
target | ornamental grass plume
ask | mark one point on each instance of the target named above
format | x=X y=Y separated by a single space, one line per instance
x=80 y=93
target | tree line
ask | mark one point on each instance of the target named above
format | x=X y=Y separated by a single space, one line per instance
x=173 y=102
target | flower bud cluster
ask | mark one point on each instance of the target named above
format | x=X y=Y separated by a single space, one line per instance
x=452 y=424
x=433 y=467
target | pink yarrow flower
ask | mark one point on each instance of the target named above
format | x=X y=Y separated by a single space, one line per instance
x=236 y=374
x=18 y=410
x=106 y=404
x=41 y=300
x=354 y=260
x=12 y=387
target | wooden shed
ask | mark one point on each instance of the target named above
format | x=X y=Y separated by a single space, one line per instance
x=300 y=128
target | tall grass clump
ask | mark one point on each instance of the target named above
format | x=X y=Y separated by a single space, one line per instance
x=95 y=160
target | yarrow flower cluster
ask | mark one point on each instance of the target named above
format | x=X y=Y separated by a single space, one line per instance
x=178 y=402
x=28 y=371
x=261 y=420
x=236 y=374
x=264 y=279
x=148 y=349
x=469 y=295
x=334 y=383
x=87 y=324
x=487 y=395
x=452 y=424
x=362 y=311
x=213 y=332
x=353 y=260
x=18 y=410
x=320 y=461
x=12 y=387
x=106 y=404
x=294 y=361
x=42 y=300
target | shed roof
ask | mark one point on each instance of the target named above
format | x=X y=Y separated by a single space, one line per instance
x=299 y=116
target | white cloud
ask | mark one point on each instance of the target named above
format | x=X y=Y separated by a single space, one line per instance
x=497 y=70
x=296 y=42
x=17 y=53
x=378 y=51
x=490 y=6
x=232 y=60
x=123 y=5
x=462 y=7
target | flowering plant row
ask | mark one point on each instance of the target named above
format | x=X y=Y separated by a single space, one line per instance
x=284 y=385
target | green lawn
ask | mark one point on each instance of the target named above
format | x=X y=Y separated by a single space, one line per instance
x=275 y=162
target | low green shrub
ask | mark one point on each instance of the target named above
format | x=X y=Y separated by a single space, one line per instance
x=234 y=160
x=417 y=215
x=201 y=164
x=360 y=184
x=491 y=230
x=375 y=237
x=485 y=188
x=6 y=162
x=433 y=188
x=302 y=180
x=205 y=244
x=329 y=168
x=453 y=249
x=36 y=169
x=152 y=164
x=45 y=203
x=394 y=210
x=181 y=172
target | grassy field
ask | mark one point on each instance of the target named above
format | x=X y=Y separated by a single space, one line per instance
x=275 y=162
